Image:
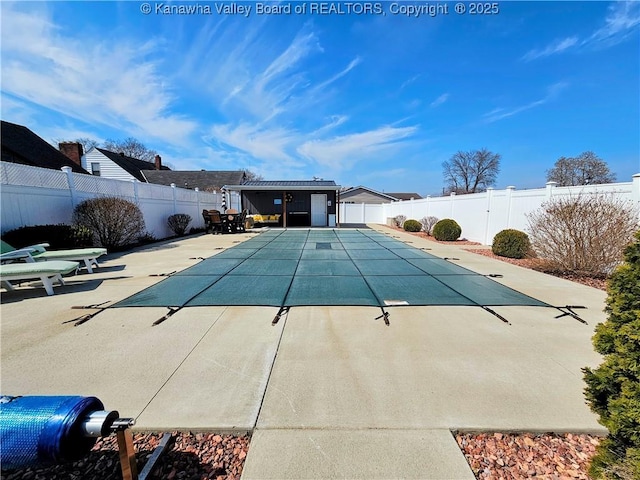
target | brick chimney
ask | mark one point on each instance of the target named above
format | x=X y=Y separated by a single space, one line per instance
x=158 y=162
x=73 y=150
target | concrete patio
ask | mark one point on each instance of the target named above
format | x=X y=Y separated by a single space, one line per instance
x=327 y=392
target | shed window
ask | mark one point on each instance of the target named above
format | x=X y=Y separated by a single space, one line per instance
x=95 y=168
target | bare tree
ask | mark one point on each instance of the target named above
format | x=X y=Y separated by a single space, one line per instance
x=131 y=147
x=251 y=176
x=87 y=143
x=471 y=172
x=587 y=168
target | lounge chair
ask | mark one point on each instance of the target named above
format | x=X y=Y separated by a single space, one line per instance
x=47 y=272
x=38 y=253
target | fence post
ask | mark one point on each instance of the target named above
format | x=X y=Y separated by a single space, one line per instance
x=510 y=190
x=175 y=206
x=364 y=213
x=136 y=194
x=550 y=186
x=486 y=225
x=197 y=190
x=72 y=187
x=452 y=197
x=428 y=205
x=635 y=192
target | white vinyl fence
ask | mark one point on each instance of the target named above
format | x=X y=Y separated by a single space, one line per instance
x=482 y=215
x=42 y=196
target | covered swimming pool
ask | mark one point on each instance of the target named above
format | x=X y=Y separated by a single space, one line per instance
x=313 y=267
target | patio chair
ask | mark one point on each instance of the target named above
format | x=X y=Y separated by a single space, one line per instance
x=240 y=221
x=47 y=272
x=212 y=221
x=39 y=253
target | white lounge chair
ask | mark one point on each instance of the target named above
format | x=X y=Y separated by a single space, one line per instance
x=38 y=253
x=48 y=272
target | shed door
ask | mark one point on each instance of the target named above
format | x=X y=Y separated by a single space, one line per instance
x=318 y=210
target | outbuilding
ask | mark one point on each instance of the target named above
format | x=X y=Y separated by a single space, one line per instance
x=290 y=203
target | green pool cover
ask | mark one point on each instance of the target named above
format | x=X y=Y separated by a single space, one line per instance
x=286 y=268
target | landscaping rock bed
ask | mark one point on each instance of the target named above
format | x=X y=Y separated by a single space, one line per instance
x=193 y=456
x=511 y=456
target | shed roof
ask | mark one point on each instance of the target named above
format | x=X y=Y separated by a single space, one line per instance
x=285 y=185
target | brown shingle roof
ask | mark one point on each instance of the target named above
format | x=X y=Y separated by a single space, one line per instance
x=21 y=145
x=203 y=179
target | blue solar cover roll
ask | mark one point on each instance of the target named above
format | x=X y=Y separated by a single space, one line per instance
x=41 y=430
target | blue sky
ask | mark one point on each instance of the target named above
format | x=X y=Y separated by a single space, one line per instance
x=379 y=100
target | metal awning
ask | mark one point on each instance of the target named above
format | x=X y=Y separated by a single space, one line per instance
x=285 y=185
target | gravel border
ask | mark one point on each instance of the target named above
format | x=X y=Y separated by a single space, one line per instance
x=193 y=456
x=516 y=456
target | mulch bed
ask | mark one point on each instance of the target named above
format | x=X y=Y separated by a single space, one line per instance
x=194 y=456
x=541 y=266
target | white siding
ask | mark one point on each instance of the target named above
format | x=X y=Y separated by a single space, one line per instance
x=108 y=169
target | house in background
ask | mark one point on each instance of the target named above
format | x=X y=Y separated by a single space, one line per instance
x=21 y=145
x=204 y=180
x=294 y=203
x=119 y=166
x=366 y=195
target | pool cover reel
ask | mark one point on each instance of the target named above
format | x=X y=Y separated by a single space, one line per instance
x=38 y=430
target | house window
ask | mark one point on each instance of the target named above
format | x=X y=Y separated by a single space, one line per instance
x=95 y=168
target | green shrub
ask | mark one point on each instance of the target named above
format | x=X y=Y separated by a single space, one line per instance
x=57 y=236
x=613 y=389
x=178 y=223
x=412 y=226
x=399 y=219
x=447 y=230
x=511 y=243
x=114 y=222
x=428 y=223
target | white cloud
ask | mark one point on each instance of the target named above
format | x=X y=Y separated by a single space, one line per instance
x=355 y=62
x=440 y=100
x=555 y=47
x=409 y=81
x=336 y=120
x=94 y=81
x=261 y=143
x=343 y=152
x=249 y=78
x=621 y=21
x=501 y=113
